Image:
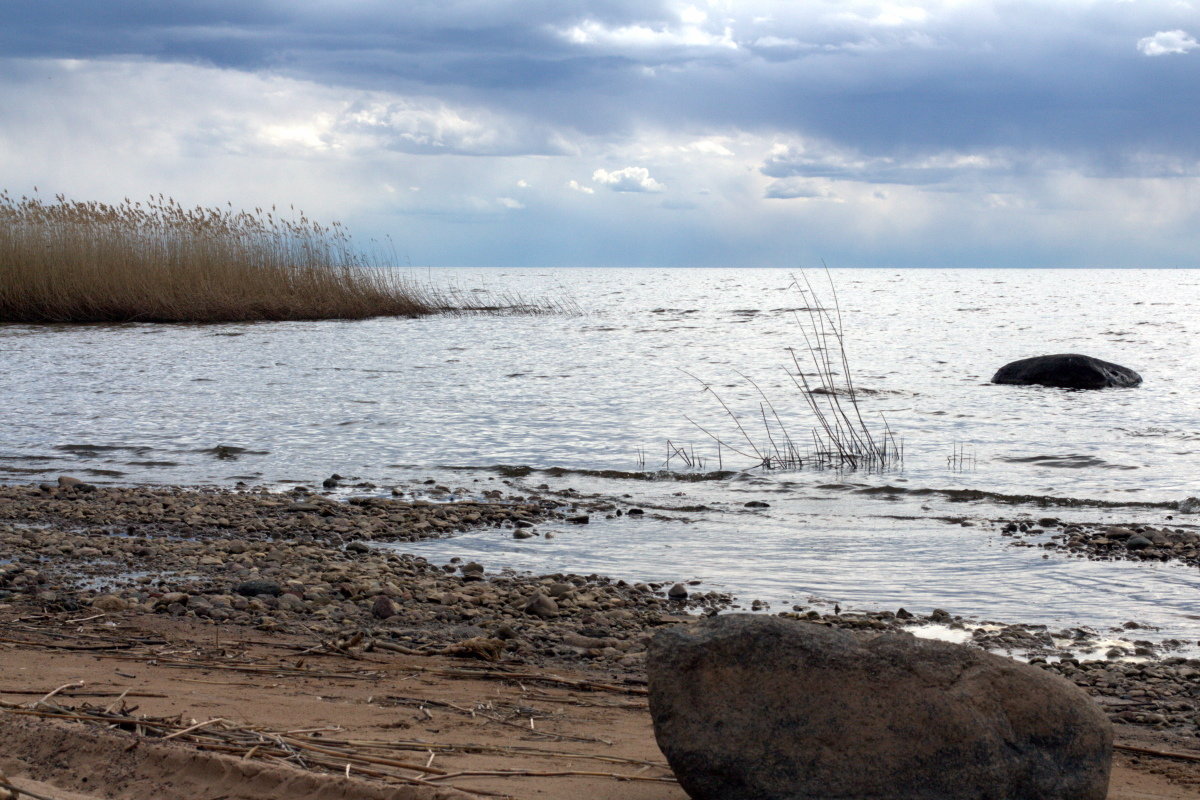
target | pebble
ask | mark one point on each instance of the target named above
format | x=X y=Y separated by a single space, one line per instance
x=109 y=603
x=383 y=608
x=258 y=587
x=1107 y=542
x=541 y=606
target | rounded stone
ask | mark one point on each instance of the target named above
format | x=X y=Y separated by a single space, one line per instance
x=1067 y=371
x=541 y=606
x=751 y=707
x=109 y=603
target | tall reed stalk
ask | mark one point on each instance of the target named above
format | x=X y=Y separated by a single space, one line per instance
x=157 y=261
x=839 y=436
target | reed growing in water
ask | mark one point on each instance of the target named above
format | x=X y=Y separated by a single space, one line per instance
x=839 y=437
x=157 y=261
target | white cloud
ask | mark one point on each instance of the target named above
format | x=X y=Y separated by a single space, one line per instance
x=777 y=41
x=712 y=146
x=642 y=37
x=311 y=134
x=889 y=15
x=579 y=187
x=810 y=158
x=629 y=179
x=690 y=15
x=424 y=125
x=509 y=202
x=1167 y=42
x=799 y=189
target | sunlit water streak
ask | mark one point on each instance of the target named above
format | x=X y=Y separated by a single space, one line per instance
x=396 y=400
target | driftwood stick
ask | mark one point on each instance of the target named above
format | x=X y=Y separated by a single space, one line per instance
x=191 y=728
x=515 y=750
x=72 y=685
x=1146 y=751
x=523 y=773
x=268 y=669
x=396 y=648
x=346 y=754
x=532 y=677
x=19 y=792
x=48 y=646
x=109 y=708
x=421 y=703
x=125 y=693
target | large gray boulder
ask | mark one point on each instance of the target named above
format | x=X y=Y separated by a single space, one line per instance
x=748 y=707
x=1067 y=371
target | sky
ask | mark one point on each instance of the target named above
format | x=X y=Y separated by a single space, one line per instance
x=567 y=133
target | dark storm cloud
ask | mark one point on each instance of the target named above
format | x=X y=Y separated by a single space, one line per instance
x=887 y=81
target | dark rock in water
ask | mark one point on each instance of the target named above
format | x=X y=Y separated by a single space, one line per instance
x=1138 y=543
x=1067 y=371
x=259 y=587
x=746 y=706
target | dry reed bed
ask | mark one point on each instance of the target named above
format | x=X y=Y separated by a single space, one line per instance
x=157 y=261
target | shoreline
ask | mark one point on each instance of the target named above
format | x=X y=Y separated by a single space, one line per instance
x=79 y=562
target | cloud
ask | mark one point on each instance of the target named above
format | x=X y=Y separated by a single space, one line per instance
x=644 y=38
x=815 y=159
x=888 y=124
x=1167 y=42
x=629 y=179
x=799 y=188
x=871 y=74
x=690 y=29
x=778 y=41
x=426 y=125
x=712 y=146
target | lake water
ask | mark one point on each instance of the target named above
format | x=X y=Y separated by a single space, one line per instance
x=398 y=401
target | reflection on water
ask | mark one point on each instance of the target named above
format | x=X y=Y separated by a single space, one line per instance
x=867 y=552
x=598 y=396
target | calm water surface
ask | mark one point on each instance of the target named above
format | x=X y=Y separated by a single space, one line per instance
x=394 y=401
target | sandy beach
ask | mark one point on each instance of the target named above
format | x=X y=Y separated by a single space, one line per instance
x=285 y=654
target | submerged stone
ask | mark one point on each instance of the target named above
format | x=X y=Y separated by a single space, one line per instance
x=1067 y=371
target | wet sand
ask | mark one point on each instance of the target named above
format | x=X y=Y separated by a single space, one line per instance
x=277 y=613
